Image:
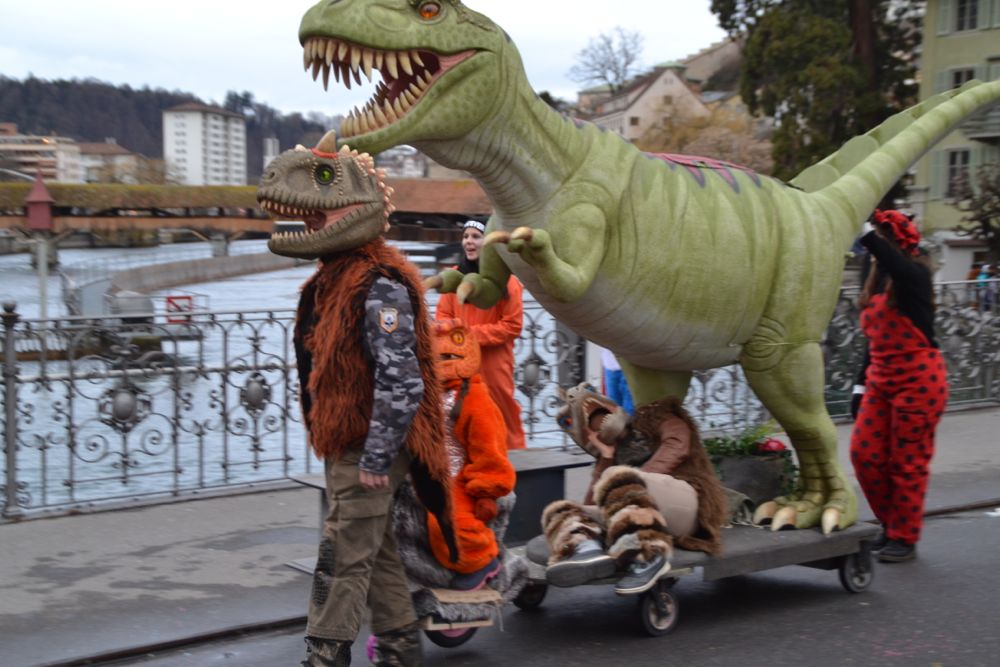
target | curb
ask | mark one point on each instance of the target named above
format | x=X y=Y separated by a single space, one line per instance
x=203 y=638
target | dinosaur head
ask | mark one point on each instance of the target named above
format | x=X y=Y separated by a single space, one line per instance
x=586 y=409
x=456 y=350
x=341 y=197
x=439 y=63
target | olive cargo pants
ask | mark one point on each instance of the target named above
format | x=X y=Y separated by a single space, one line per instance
x=358 y=564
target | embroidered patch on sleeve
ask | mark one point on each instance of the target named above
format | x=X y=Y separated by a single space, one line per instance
x=388 y=319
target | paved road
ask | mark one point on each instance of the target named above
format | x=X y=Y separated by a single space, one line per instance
x=942 y=609
x=78 y=586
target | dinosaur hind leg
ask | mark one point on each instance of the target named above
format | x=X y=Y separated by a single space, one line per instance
x=788 y=379
x=648 y=385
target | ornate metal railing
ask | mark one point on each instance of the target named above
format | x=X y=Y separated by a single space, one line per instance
x=97 y=411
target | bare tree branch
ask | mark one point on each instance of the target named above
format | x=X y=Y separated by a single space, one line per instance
x=611 y=58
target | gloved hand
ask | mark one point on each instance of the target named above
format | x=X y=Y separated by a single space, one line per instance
x=859 y=392
x=867 y=227
x=486 y=509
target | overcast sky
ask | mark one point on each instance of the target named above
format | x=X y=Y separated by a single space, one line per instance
x=208 y=47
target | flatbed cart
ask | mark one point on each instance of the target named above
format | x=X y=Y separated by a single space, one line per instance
x=745 y=549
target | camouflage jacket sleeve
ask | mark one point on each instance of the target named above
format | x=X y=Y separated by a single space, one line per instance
x=391 y=341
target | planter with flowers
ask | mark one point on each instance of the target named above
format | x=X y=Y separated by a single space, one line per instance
x=754 y=463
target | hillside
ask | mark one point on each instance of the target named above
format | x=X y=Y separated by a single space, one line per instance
x=89 y=111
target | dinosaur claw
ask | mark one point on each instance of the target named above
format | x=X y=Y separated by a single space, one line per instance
x=464 y=291
x=831 y=520
x=785 y=518
x=433 y=282
x=764 y=513
x=496 y=237
x=523 y=234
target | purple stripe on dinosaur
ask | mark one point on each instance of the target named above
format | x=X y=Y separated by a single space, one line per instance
x=695 y=165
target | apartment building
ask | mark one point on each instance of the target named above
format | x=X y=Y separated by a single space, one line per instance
x=961 y=42
x=57 y=158
x=205 y=145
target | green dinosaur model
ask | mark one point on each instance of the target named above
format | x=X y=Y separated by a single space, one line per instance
x=675 y=264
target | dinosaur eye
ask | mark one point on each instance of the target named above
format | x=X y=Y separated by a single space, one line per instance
x=429 y=10
x=565 y=422
x=324 y=174
x=457 y=337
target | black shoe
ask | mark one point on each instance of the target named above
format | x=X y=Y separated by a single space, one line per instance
x=580 y=568
x=879 y=542
x=326 y=653
x=640 y=577
x=897 y=552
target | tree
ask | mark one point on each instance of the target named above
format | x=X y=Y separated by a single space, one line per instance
x=979 y=200
x=610 y=58
x=727 y=133
x=826 y=70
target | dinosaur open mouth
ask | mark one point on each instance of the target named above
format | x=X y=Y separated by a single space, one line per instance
x=315 y=219
x=407 y=75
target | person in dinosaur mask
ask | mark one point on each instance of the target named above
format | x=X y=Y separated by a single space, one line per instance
x=495 y=329
x=370 y=396
x=477 y=451
x=902 y=388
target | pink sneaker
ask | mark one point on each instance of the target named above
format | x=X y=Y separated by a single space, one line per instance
x=473 y=581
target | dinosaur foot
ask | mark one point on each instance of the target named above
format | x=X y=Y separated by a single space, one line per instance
x=791 y=514
x=496 y=237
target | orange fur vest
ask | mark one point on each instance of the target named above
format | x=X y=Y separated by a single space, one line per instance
x=337 y=382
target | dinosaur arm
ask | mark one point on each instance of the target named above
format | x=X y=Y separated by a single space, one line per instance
x=566 y=256
x=508 y=327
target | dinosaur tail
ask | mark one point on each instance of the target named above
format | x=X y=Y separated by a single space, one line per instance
x=857 y=176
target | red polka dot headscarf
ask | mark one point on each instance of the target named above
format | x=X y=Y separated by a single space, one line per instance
x=903 y=229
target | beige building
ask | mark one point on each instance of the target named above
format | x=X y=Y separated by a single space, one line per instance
x=107 y=162
x=640 y=104
x=57 y=158
x=205 y=145
x=961 y=42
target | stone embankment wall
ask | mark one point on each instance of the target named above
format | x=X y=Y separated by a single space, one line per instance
x=174 y=274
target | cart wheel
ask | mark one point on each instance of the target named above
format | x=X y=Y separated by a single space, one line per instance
x=856 y=572
x=450 y=638
x=658 y=609
x=531 y=596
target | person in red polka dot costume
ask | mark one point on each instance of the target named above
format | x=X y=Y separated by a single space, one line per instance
x=902 y=389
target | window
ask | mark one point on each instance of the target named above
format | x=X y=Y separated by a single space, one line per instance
x=960 y=76
x=966 y=14
x=958 y=170
x=633 y=121
x=668 y=100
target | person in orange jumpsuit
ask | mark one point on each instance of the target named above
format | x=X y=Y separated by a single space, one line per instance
x=495 y=329
x=478 y=466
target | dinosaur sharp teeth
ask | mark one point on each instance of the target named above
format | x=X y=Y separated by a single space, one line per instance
x=306 y=60
x=422 y=82
x=326 y=77
x=415 y=91
x=379 y=59
x=317 y=64
x=331 y=51
x=346 y=73
x=416 y=58
x=408 y=98
x=390 y=64
x=355 y=58
x=397 y=106
x=404 y=62
x=372 y=121
x=380 y=117
x=336 y=72
x=367 y=57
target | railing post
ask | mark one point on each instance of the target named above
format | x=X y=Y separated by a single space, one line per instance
x=11 y=509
